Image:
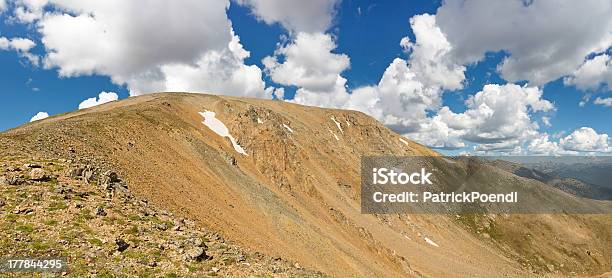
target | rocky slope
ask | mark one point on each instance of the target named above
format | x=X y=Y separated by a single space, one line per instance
x=88 y=215
x=294 y=194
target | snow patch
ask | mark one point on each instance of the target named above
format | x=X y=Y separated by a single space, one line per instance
x=259 y=121
x=335 y=136
x=337 y=124
x=347 y=123
x=288 y=128
x=404 y=141
x=431 y=242
x=219 y=128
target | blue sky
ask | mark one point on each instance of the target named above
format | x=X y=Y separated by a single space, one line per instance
x=368 y=34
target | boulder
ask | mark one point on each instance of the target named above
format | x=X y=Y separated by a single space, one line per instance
x=38 y=174
x=121 y=244
x=162 y=227
x=88 y=174
x=14 y=180
x=196 y=254
x=110 y=177
x=110 y=181
x=195 y=241
x=76 y=172
x=100 y=211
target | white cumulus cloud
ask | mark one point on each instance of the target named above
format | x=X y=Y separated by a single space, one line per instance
x=310 y=64
x=499 y=118
x=544 y=39
x=195 y=51
x=39 y=116
x=28 y=11
x=542 y=145
x=402 y=99
x=586 y=139
x=411 y=88
x=408 y=98
x=603 y=101
x=593 y=74
x=295 y=15
x=306 y=61
x=429 y=57
x=20 y=45
x=221 y=71
x=408 y=90
x=102 y=98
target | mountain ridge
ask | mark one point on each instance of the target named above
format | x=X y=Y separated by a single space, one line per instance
x=296 y=192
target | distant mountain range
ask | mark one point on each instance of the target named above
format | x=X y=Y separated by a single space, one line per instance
x=589 y=180
x=597 y=173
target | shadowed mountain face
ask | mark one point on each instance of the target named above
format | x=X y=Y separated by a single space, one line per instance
x=294 y=192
